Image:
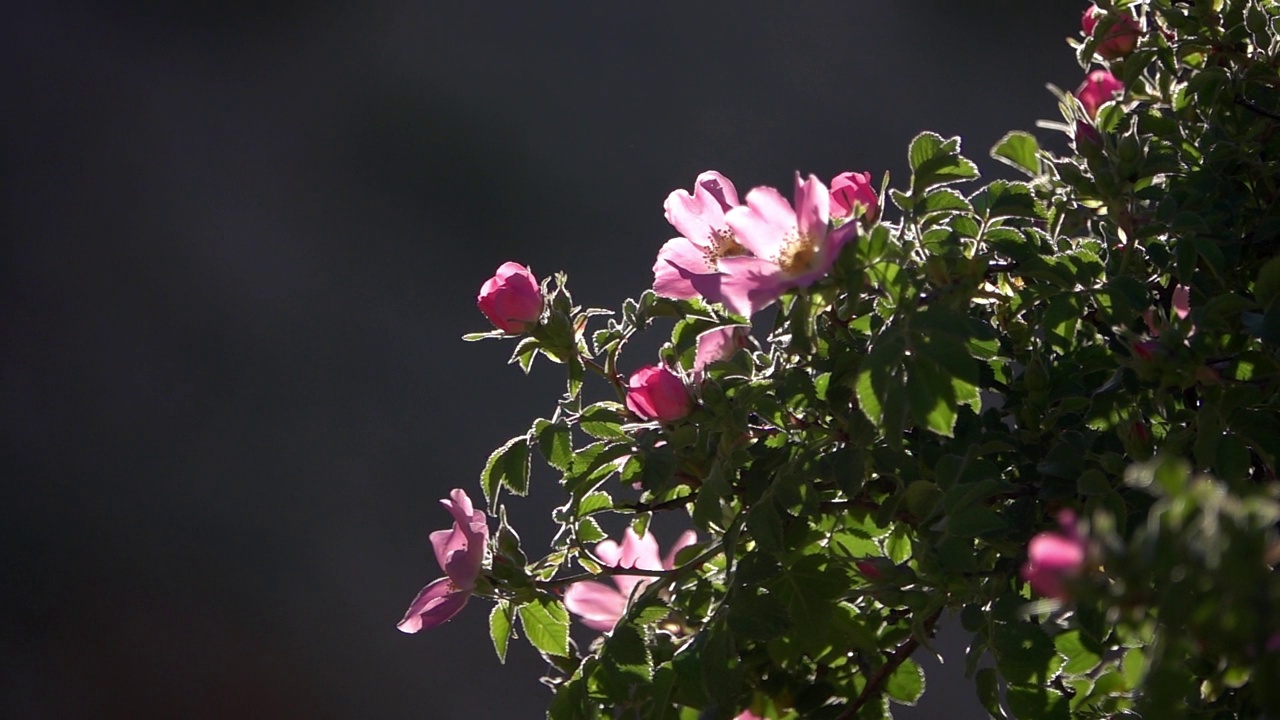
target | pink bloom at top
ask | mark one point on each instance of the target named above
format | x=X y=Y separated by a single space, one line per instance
x=656 y=393
x=792 y=247
x=600 y=606
x=460 y=552
x=511 y=299
x=1099 y=87
x=1053 y=558
x=689 y=266
x=852 y=196
x=748 y=715
x=1121 y=39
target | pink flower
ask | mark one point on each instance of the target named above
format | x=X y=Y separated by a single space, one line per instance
x=1121 y=39
x=748 y=715
x=852 y=196
x=1099 y=87
x=656 y=393
x=689 y=266
x=459 y=551
x=791 y=247
x=511 y=299
x=1179 y=304
x=1053 y=558
x=600 y=606
x=718 y=344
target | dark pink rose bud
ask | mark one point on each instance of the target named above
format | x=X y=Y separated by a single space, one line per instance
x=1099 y=87
x=852 y=196
x=1087 y=136
x=1121 y=39
x=869 y=569
x=1054 y=558
x=656 y=393
x=1146 y=349
x=511 y=299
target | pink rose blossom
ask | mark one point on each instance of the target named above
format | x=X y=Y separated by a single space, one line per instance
x=852 y=196
x=1098 y=88
x=600 y=606
x=1053 y=558
x=718 y=344
x=748 y=715
x=792 y=247
x=656 y=393
x=511 y=299
x=689 y=266
x=1121 y=39
x=460 y=552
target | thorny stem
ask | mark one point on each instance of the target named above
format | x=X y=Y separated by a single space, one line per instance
x=665 y=576
x=881 y=676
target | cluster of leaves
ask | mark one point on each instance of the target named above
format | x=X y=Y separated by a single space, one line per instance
x=885 y=451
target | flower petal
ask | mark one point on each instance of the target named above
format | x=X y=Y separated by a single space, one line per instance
x=686 y=539
x=596 y=604
x=750 y=284
x=435 y=604
x=609 y=552
x=720 y=188
x=678 y=260
x=640 y=551
x=718 y=344
x=764 y=223
x=813 y=207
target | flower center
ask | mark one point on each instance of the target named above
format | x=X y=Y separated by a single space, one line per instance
x=798 y=253
x=722 y=244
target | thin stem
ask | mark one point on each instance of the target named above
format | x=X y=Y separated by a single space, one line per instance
x=876 y=682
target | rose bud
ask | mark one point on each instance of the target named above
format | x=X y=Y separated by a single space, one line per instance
x=1098 y=88
x=656 y=393
x=511 y=299
x=1121 y=39
x=853 y=195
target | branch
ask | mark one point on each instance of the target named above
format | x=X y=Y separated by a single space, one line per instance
x=881 y=676
x=1249 y=105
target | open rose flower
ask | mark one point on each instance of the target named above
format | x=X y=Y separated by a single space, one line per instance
x=460 y=552
x=689 y=266
x=790 y=247
x=1099 y=87
x=600 y=606
x=1053 y=558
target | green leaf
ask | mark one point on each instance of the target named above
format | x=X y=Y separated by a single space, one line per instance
x=625 y=662
x=594 y=502
x=508 y=467
x=989 y=692
x=906 y=684
x=942 y=200
x=1037 y=703
x=935 y=161
x=1019 y=150
x=555 y=441
x=500 y=628
x=973 y=521
x=603 y=421
x=546 y=624
x=1081 y=658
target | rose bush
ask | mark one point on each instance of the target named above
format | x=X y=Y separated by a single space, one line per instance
x=1048 y=407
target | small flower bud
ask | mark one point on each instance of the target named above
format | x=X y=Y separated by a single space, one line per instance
x=1121 y=39
x=852 y=195
x=656 y=393
x=511 y=299
x=1098 y=88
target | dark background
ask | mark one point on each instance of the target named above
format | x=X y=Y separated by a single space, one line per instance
x=241 y=240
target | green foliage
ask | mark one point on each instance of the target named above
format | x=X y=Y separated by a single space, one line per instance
x=977 y=360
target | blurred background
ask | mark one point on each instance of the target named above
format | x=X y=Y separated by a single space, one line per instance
x=242 y=239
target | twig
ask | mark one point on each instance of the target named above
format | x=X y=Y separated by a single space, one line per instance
x=1249 y=105
x=881 y=676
